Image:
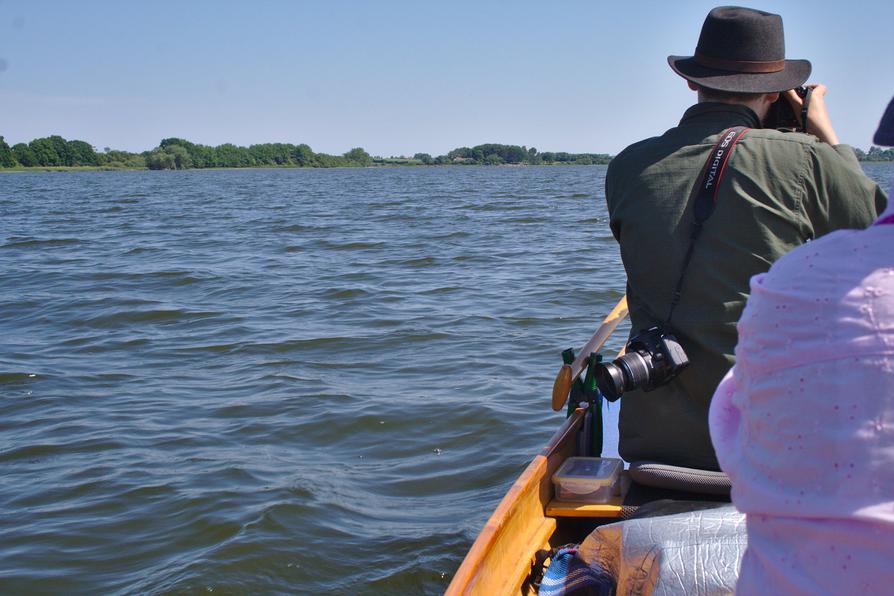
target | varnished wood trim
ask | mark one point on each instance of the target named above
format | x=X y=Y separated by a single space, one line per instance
x=611 y=509
x=518 y=527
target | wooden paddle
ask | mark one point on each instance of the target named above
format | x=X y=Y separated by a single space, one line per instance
x=569 y=372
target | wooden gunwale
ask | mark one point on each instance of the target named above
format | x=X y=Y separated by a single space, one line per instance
x=500 y=558
x=504 y=550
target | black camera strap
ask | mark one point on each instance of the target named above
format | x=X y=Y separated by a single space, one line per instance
x=706 y=199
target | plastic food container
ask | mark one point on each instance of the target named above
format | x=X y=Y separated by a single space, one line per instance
x=588 y=479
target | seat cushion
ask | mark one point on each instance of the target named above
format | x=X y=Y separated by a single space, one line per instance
x=706 y=482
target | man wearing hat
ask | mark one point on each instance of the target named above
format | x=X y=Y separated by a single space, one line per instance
x=777 y=191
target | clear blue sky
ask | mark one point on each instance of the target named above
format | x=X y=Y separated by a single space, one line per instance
x=397 y=77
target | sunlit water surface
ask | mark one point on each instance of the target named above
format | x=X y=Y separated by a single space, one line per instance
x=281 y=380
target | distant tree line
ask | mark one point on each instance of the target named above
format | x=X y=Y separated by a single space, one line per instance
x=875 y=154
x=49 y=151
x=180 y=154
x=494 y=154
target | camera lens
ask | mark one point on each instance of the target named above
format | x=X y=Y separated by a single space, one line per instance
x=630 y=371
x=636 y=369
x=610 y=380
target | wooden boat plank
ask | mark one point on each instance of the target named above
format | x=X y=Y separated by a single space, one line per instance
x=611 y=509
x=518 y=528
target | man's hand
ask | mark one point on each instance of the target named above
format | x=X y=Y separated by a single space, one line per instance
x=818 y=122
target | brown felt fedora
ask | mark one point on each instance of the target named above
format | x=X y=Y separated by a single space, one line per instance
x=741 y=50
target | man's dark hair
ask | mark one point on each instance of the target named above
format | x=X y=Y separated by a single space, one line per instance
x=727 y=96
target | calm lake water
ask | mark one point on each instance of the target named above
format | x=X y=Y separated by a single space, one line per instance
x=281 y=380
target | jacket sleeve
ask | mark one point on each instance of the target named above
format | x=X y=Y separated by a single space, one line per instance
x=838 y=193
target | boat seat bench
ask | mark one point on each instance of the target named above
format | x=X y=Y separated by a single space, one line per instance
x=633 y=495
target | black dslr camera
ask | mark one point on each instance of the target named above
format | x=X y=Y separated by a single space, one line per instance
x=652 y=358
x=782 y=117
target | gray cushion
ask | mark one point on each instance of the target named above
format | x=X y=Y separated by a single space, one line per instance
x=679 y=478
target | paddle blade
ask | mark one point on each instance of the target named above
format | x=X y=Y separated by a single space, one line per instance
x=561 y=387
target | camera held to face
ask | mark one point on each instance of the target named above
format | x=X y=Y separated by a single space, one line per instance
x=652 y=358
x=782 y=117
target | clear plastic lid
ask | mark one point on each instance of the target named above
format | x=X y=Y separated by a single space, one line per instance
x=592 y=470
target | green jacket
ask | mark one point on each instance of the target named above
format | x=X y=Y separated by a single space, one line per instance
x=779 y=190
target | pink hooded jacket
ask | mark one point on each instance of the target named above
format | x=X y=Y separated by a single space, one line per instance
x=804 y=422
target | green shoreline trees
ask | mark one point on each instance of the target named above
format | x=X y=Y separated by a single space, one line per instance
x=875 y=154
x=180 y=154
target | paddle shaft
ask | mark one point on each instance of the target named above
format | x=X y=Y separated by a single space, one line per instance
x=611 y=322
x=568 y=373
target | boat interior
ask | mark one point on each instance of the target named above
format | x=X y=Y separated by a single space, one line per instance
x=658 y=504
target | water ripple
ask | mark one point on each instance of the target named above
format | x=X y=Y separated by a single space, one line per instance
x=270 y=381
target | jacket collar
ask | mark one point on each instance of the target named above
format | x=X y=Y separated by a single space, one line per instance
x=723 y=114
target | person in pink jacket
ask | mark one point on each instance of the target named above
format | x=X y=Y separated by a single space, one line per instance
x=804 y=422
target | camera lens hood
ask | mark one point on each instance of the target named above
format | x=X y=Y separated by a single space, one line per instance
x=610 y=380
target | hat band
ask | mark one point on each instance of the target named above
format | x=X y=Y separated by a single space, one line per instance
x=749 y=66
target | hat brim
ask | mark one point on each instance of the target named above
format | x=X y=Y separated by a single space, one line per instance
x=885 y=133
x=793 y=75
